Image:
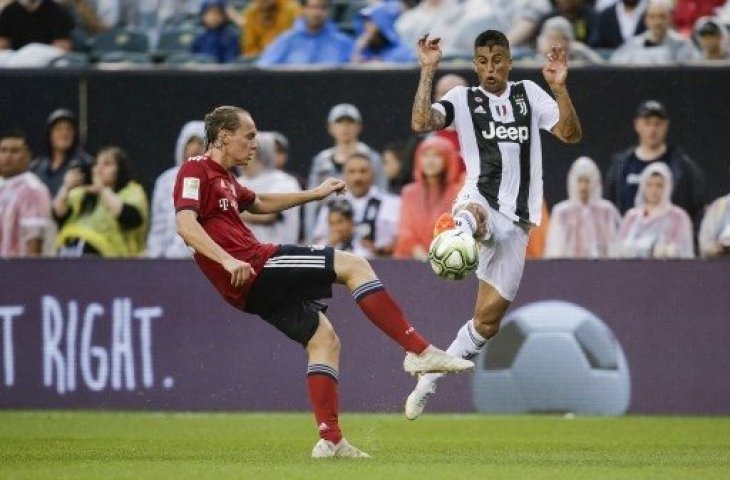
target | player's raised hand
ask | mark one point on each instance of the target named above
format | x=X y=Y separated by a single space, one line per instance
x=330 y=186
x=240 y=271
x=555 y=70
x=429 y=51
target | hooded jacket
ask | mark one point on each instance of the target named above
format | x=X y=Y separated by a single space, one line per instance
x=42 y=165
x=163 y=240
x=666 y=231
x=392 y=50
x=421 y=204
x=582 y=230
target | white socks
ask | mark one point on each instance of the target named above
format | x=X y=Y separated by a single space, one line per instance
x=467 y=344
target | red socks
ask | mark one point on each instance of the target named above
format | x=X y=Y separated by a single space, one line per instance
x=381 y=309
x=322 y=386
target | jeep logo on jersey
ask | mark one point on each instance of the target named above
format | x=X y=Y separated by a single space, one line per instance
x=519 y=134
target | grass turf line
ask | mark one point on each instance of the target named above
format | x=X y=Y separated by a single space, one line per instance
x=115 y=445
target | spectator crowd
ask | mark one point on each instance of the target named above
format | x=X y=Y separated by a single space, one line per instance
x=270 y=33
x=650 y=202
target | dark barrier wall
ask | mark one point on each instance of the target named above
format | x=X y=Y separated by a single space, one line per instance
x=144 y=111
x=154 y=335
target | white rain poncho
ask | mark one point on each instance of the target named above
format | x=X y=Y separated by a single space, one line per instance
x=664 y=231
x=285 y=230
x=163 y=240
x=582 y=230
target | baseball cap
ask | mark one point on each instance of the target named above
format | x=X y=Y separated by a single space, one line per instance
x=710 y=27
x=344 y=110
x=652 y=108
x=61 y=114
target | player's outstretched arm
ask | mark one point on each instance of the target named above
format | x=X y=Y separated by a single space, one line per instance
x=190 y=230
x=568 y=128
x=278 y=202
x=423 y=117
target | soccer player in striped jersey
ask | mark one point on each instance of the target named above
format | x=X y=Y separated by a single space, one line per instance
x=498 y=124
x=284 y=283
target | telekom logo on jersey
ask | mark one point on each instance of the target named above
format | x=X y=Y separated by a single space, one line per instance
x=519 y=134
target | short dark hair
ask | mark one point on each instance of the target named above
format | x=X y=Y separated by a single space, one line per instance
x=222 y=118
x=341 y=206
x=491 y=38
x=15 y=133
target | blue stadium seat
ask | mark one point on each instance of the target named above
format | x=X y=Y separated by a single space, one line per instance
x=176 y=40
x=71 y=60
x=187 y=58
x=119 y=40
x=122 y=57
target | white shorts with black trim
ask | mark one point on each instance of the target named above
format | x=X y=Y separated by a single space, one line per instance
x=502 y=257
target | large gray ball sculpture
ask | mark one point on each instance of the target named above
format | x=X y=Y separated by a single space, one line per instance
x=552 y=357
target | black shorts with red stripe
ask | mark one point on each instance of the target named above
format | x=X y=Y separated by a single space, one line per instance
x=286 y=291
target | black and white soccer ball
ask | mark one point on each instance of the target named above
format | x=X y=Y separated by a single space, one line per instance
x=453 y=254
x=552 y=356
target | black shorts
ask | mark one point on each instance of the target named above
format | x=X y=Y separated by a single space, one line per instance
x=286 y=291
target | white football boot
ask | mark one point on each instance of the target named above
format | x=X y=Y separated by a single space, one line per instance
x=326 y=449
x=433 y=360
x=416 y=401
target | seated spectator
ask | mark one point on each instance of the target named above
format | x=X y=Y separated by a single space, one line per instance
x=35 y=21
x=659 y=44
x=585 y=225
x=26 y=228
x=378 y=40
x=63 y=149
x=219 y=39
x=557 y=31
x=620 y=22
x=714 y=235
x=581 y=17
x=437 y=183
x=263 y=21
x=376 y=213
x=435 y=17
x=106 y=217
x=398 y=167
x=517 y=18
x=712 y=37
x=655 y=228
x=344 y=124
x=163 y=240
x=314 y=39
x=261 y=176
x=342 y=226
x=687 y=12
x=622 y=181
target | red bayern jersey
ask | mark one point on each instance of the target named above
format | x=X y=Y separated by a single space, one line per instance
x=214 y=193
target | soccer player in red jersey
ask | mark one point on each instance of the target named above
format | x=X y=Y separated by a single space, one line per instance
x=251 y=276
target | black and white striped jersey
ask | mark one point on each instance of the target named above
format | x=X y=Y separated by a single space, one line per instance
x=500 y=143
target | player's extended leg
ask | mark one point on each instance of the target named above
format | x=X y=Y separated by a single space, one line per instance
x=323 y=350
x=470 y=340
x=356 y=274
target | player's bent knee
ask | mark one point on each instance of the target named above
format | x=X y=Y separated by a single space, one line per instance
x=325 y=339
x=348 y=265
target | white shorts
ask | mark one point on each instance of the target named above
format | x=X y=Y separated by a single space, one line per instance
x=502 y=257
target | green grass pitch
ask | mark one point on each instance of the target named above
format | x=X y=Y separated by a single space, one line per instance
x=110 y=445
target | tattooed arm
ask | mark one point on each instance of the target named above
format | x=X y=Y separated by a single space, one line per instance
x=423 y=117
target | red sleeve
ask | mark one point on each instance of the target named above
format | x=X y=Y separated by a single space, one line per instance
x=190 y=186
x=244 y=196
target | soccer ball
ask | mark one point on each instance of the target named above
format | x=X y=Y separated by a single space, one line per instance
x=453 y=255
x=552 y=356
